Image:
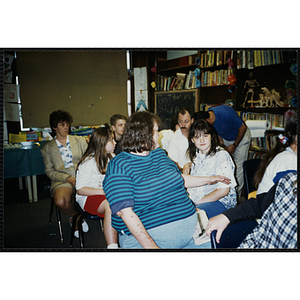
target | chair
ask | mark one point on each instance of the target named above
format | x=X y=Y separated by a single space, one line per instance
x=233 y=235
x=81 y=214
x=57 y=217
x=249 y=167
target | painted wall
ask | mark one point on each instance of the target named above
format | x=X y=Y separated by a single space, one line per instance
x=91 y=85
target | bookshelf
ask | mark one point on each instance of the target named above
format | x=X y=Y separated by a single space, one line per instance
x=261 y=145
x=270 y=69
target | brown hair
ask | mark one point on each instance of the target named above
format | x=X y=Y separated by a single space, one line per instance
x=198 y=127
x=115 y=118
x=97 y=147
x=138 y=133
x=59 y=116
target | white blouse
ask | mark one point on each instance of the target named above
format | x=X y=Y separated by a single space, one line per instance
x=219 y=164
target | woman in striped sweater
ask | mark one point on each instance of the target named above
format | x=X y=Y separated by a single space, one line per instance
x=146 y=191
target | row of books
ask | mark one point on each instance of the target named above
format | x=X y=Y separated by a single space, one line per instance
x=215 y=58
x=277 y=122
x=267 y=142
x=256 y=154
x=181 y=81
x=215 y=78
x=256 y=58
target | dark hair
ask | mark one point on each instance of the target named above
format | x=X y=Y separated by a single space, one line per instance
x=198 y=127
x=115 y=118
x=185 y=110
x=290 y=133
x=59 y=116
x=97 y=147
x=138 y=133
x=201 y=115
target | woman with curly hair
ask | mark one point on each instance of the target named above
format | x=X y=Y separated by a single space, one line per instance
x=61 y=156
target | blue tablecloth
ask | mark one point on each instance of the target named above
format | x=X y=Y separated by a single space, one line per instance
x=25 y=161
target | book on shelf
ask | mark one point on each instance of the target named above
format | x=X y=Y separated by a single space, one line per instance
x=256 y=154
x=215 y=78
x=210 y=58
x=180 y=83
x=256 y=58
x=174 y=78
x=190 y=80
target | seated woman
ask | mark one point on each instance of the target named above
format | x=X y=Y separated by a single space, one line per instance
x=89 y=177
x=146 y=191
x=208 y=159
x=279 y=162
x=61 y=156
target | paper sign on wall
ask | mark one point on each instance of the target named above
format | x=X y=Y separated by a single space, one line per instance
x=10 y=93
x=12 y=112
x=140 y=89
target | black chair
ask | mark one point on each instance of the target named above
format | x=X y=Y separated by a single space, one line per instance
x=249 y=167
x=233 y=235
x=57 y=217
x=81 y=214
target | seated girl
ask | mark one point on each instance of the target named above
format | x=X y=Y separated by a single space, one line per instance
x=209 y=159
x=279 y=162
x=90 y=175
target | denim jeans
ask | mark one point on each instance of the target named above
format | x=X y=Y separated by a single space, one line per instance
x=212 y=208
x=174 y=235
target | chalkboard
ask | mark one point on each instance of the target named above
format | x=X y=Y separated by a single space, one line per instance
x=167 y=104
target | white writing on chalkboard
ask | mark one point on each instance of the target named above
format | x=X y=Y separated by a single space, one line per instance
x=168 y=104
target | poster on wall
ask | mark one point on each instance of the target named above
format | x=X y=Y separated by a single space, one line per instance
x=141 y=100
x=7 y=68
x=11 y=93
x=12 y=112
x=140 y=89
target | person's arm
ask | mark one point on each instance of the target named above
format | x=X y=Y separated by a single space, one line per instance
x=251 y=209
x=215 y=195
x=137 y=228
x=239 y=137
x=191 y=181
x=88 y=191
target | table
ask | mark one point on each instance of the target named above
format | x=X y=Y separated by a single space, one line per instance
x=25 y=162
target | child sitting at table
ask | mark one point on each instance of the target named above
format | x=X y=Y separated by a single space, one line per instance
x=209 y=159
x=90 y=175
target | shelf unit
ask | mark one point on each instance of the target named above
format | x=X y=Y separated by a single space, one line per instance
x=271 y=70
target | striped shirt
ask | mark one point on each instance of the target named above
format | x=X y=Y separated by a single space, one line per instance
x=152 y=185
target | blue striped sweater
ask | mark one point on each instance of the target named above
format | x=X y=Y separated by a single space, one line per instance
x=152 y=185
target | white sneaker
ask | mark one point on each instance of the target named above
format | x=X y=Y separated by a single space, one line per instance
x=85 y=228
